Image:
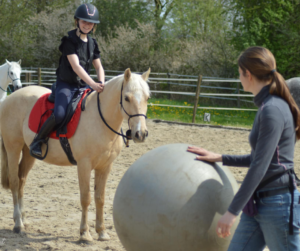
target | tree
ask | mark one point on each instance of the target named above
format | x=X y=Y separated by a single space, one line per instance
x=17 y=34
x=291 y=29
x=115 y=13
x=161 y=13
x=198 y=17
x=272 y=24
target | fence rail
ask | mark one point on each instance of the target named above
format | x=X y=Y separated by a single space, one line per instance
x=46 y=77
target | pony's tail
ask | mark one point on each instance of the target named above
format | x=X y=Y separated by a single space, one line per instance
x=4 y=166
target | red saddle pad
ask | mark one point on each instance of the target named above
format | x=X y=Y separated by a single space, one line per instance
x=42 y=106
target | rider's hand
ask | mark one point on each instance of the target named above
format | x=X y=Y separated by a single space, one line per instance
x=98 y=87
x=205 y=155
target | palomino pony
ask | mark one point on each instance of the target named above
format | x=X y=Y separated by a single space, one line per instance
x=94 y=145
x=9 y=73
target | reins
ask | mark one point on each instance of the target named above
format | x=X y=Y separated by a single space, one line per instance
x=4 y=90
x=128 y=132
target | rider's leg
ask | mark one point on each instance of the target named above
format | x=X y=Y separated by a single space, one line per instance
x=63 y=96
x=46 y=129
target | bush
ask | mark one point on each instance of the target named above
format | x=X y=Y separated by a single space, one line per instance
x=49 y=27
x=134 y=48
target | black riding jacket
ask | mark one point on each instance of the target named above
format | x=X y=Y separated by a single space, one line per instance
x=86 y=53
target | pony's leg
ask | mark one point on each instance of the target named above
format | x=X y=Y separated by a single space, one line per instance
x=84 y=175
x=100 y=182
x=25 y=166
x=13 y=156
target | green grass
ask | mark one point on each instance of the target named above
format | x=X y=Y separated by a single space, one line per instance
x=217 y=117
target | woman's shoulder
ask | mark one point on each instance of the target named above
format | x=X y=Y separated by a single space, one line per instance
x=277 y=101
x=275 y=106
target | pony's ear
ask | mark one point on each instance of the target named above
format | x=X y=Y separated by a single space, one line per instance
x=19 y=62
x=146 y=74
x=7 y=62
x=127 y=74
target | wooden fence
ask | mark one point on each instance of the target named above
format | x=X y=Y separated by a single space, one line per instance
x=47 y=77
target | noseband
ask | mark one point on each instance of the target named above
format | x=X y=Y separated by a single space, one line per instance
x=128 y=132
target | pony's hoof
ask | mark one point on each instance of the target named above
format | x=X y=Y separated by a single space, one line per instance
x=103 y=236
x=85 y=238
x=17 y=230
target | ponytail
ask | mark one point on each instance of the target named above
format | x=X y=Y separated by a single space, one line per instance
x=261 y=63
x=280 y=88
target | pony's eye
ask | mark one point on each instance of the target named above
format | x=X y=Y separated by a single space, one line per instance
x=11 y=73
x=127 y=99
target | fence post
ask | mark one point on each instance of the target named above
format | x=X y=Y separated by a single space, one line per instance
x=238 y=99
x=39 y=76
x=197 y=97
x=170 y=95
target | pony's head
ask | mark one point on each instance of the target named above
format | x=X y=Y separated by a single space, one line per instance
x=134 y=103
x=14 y=73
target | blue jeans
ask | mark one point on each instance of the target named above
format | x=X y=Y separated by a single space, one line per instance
x=64 y=93
x=270 y=227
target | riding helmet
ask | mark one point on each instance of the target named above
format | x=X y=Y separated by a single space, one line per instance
x=87 y=12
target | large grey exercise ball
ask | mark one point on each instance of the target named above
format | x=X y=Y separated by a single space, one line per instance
x=168 y=201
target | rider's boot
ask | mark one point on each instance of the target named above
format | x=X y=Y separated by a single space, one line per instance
x=42 y=137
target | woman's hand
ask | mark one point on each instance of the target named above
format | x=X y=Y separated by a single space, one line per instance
x=98 y=87
x=204 y=154
x=224 y=224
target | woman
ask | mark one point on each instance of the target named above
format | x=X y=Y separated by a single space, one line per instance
x=270 y=178
x=79 y=52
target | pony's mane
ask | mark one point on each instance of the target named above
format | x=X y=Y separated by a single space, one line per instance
x=135 y=84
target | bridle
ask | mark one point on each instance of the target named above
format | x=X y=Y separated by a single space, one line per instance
x=10 y=78
x=130 y=116
x=128 y=132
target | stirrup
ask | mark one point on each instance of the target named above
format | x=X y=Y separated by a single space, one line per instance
x=33 y=145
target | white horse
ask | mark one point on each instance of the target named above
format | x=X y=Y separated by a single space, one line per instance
x=9 y=73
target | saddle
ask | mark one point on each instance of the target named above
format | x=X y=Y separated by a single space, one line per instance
x=44 y=107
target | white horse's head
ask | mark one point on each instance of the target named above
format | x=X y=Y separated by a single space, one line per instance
x=134 y=101
x=14 y=73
